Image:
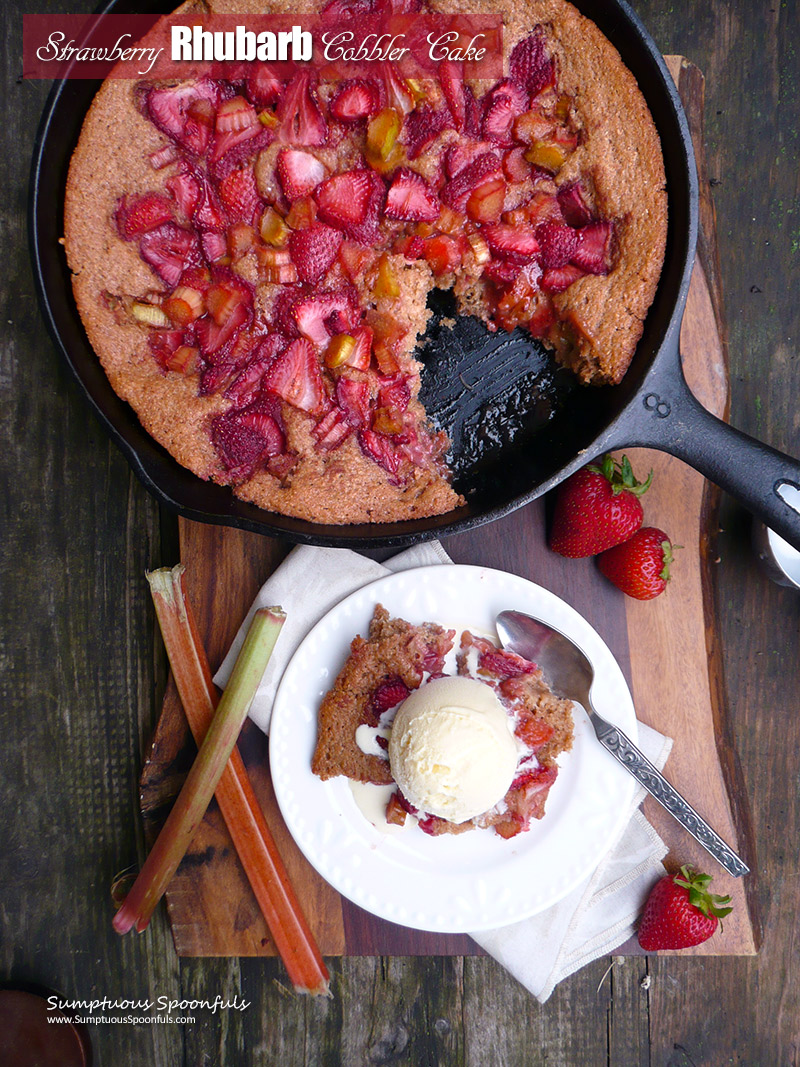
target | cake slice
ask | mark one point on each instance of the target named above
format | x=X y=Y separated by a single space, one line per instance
x=397 y=657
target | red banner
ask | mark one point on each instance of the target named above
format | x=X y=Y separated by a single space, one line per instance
x=181 y=46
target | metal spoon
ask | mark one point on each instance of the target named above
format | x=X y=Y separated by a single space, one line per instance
x=570 y=674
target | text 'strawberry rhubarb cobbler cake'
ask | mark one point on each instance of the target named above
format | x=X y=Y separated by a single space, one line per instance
x=252 y=254
x=447 y=742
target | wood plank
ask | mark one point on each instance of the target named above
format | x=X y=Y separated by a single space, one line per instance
x=210 y=905
x=680 y=678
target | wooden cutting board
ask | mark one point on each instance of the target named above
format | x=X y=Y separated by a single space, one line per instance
x=667 y=648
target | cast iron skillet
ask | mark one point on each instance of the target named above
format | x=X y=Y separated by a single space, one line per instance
x=518 y=425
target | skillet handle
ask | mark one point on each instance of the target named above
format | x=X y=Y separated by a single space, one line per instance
x=666 y=415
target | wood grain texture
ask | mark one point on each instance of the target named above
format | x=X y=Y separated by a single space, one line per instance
x=82 y=690
x=76 y=647
x=753 y=111
x=682 y=627
x=211 y=907
x=683 y=676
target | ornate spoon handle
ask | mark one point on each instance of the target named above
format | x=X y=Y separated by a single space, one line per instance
x=621 y=746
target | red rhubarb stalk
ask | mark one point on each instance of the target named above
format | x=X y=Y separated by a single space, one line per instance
x=203 y=778
x=238 y=804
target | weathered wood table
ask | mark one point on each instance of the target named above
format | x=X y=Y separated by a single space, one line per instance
x=83 y=678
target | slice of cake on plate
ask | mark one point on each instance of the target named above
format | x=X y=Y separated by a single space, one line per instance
x=455 y=742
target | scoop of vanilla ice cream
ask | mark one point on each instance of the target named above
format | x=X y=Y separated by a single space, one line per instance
x=451 y=750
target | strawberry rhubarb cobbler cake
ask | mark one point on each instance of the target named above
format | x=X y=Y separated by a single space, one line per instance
x=398 y=659
x=252 y=254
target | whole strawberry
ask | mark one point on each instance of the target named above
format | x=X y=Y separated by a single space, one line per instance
x=680 y=912
x=639 y=566
x=597 y=508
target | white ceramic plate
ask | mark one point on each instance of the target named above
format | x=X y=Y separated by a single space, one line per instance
x=471 y=881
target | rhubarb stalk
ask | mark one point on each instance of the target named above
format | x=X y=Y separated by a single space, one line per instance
x=238 y=804
x=201 y=782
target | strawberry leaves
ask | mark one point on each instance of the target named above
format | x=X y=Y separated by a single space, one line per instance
x=699 y=897
x=620 y=475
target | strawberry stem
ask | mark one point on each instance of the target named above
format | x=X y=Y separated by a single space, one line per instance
x=620 y=476
x=697 y=885
x=668 y=549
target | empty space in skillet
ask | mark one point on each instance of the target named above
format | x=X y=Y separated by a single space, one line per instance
x=496 y=395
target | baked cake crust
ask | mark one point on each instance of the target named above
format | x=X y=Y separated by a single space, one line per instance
x=393 y=650
x=618 y=158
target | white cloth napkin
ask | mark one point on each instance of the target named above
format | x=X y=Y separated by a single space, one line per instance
x=307 y=585
x=595 y=917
